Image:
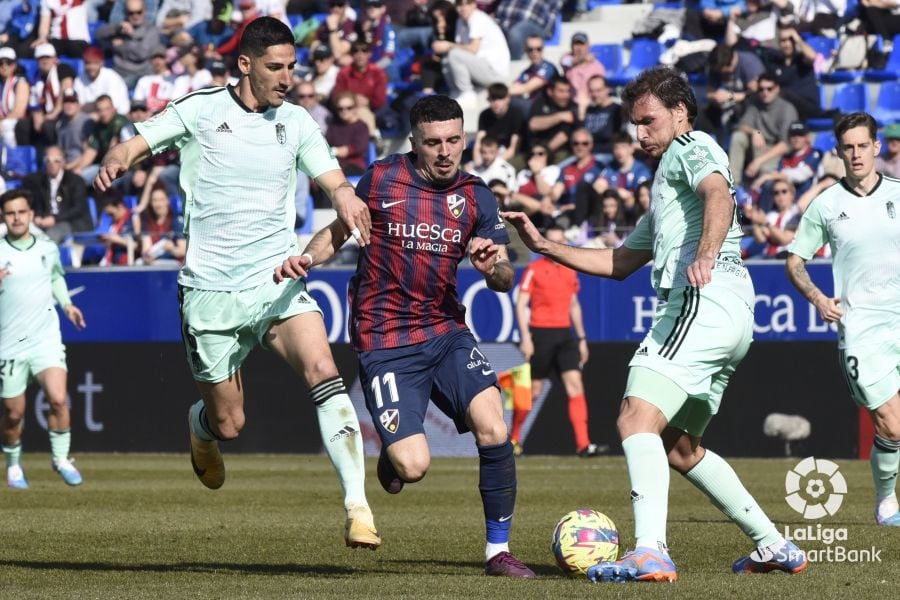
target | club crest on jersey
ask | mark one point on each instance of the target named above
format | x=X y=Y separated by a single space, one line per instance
x=698 y=159
x=892 y=213
x=455 y=203
x=280 y=135
x=390 y=420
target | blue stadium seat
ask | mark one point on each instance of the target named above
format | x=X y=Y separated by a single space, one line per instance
x=891 y=70
x=555 y=38
x=19 y=161
x=825 y=46
x=130 y=202
x=94 y=250
x=592 y=4
x=373 y=153
x=644 y=55
x=92 y=208
x=303 y=55
x=30 y=67
x=851 y=97
x=825 y=141
x=294 y=20
x=887 y=106
x=92 y=30
x=76 y=63
x=177 y=204
x=65 y=255
x=610 y=55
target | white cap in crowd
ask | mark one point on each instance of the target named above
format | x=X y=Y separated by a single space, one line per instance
x=7 y=53
x=45 y=50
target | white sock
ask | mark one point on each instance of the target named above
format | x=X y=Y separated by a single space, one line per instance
x=492 y=550
x=888 y=506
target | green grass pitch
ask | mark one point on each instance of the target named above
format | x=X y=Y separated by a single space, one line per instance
x=143 y=527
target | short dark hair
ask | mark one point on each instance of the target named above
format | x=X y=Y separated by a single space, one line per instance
x=103 y=97
x=15 y=194
x=558 y=80
x=489 y=140
x=262 y=33
x=360 y=45
x=769 y=76
x=853 y=120
x=621 y=137
x=497 y=90
x=432 y=109
x=666 y=84
x=721 y=56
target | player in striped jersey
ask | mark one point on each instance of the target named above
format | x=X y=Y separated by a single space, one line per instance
x=407 y=322
x=31 y=347
x=240 y=150
x=858 y=217
x=702 y=329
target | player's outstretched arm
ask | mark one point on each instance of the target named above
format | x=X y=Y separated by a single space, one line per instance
x=73 y=313
x=492 y=261
x=795 y=269
x=320 y=249
x=350 y=208
x=718 y=214
x=119 y=159
x=615 y=264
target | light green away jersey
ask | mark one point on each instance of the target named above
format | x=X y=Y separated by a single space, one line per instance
x=238 y=178
x=27 y=313
x=673 y=226
x=864 y=235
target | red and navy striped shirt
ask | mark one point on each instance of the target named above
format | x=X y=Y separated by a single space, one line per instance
x=404 y=289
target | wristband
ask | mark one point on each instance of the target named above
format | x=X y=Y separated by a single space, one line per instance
x=310 y=257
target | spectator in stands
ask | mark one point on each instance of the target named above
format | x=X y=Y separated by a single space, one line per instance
x=532 y=81
x=132 y=41
x=762 y=133
x=367 y=81
x=246 y=15
x=65 y=25
x=337 y=32
x=603 y=117
x=579 y=66
x=73 y=128
x=553 y=117
x=110 y=129
x=158 y=88
x=479 y=56
x=794 y=68
x=119 y=239
x=889 y=161
x=175 y=15
x=821 y=17
x=324 y=73
x=579 y=181
x=60 y=198
x=753 y=27
x=415 y=31
x=521 y=19
x=714 y=15
x=800 y=166
x=607 y=219
x=194 y=75
x=501 y=121
x=16 y=91
x=374 y=27
x=17 y=25
x=306 y=97
x=213 y=32
x=632 y=211
x=53 y=78
x=162 y=240
x=625 y=173
x=444 y=17
x=218 y=71
x=492 y=165
x=98 y=80
x=348 y=136
x=881 y=17
x=119 y=11
x=535 y=186
x=733 y=76
x=776 y=228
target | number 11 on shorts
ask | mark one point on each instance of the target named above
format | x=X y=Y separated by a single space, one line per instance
x=390 y=382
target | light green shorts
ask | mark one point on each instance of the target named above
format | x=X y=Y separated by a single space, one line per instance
x=697 y=340
x=17 y=372
x=872 y=372
x=221 y=328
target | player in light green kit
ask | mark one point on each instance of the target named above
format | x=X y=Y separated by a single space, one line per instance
x=31 y=347
x=240 y=150
x=859 y=217
x=702 y=329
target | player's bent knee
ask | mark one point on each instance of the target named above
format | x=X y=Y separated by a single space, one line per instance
x=319 y=370
x=411 y=469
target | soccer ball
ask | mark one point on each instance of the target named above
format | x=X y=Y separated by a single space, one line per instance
x=583 y=538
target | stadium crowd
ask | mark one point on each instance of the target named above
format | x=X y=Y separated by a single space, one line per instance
x=551 y=138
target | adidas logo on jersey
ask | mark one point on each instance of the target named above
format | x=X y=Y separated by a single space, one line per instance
x=843 y=217
x=642 y=351
x=223 y=128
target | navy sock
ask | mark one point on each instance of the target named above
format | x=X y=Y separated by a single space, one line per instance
x=497 y=484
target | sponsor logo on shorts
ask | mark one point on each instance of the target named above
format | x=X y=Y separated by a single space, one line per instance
x=302 y=299
x=390 y=420
x=477 y=360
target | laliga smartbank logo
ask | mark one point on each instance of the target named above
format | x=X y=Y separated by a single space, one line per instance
x=816 y=489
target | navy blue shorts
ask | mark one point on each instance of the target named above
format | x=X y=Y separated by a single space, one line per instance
x=398 y=382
